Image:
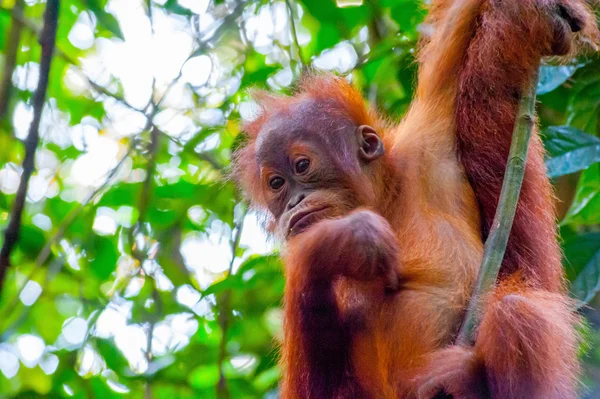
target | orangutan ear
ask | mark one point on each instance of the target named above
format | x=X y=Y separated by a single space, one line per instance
x=369 y=142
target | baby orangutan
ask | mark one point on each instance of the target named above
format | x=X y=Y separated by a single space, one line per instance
x=384 y=223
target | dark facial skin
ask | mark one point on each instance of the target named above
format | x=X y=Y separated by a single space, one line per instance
x=310 y=163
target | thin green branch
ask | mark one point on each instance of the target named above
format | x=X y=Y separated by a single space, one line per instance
x=295 y=34
x=48 y=39
x=140 y=254
x=495 y=246
x=146 y=194
x=225 y=311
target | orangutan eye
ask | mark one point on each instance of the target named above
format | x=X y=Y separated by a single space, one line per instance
x=302 y=166
x=276 y=183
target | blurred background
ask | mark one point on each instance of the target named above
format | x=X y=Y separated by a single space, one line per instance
x=139 y=272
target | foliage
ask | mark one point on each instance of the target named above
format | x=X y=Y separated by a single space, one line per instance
x=131 y=229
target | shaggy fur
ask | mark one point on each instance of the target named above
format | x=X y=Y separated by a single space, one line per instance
x=418 y=216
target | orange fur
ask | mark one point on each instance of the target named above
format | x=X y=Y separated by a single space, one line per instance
x=418 y=216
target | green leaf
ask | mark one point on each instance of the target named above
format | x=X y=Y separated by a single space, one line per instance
x=261 y=263
x=408 y=14
x=47 y=320
x=354 y=17
x=173 y=390
x=121 y=194
x=327 y=37
x=585 y=99
x=31 y=240
x=230 y=282
x=263 y=268
x=325 y=11
x=79 y=107
x=582 y=263
x=346 y=20
x=102 y=390
x=104 y=253
x=4 y=28
x=256 y=72
x=181 y=189
x=552 y=77
x=110 y=23
x=569 y=150
x=36 y=380
x=105 y=20
x=113 y=357
x=174 y=7
x=585 y=208
x=268 y=378
x=174 y=270
x=204 y=376
x=67 y=18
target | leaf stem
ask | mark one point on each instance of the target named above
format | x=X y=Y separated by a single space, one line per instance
x=495 y=246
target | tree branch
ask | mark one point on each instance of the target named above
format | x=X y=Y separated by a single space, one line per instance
x=495 y=246
x=10 y=57
x=47 y=39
